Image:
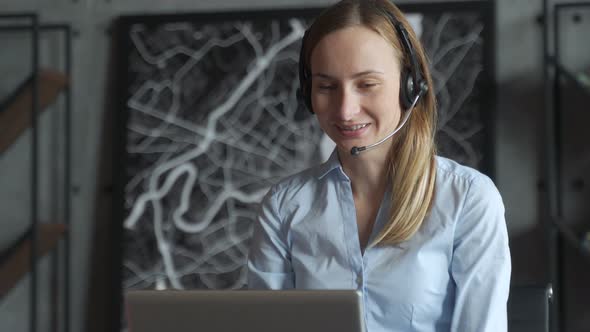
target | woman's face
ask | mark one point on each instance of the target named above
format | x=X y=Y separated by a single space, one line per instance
x=355 y=87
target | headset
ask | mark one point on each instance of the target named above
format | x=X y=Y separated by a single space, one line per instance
x=412 y=85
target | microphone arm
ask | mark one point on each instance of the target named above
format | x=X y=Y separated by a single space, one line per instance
x=355 y=151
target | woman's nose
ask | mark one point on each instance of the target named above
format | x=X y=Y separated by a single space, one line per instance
x=348 y=104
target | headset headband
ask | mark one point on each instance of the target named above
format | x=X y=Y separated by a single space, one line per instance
x=412 y=81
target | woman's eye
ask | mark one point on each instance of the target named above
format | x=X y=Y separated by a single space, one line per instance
x=326 y=87
x=367 y=85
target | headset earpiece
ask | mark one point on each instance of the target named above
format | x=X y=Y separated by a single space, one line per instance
x=304 y=90
x=304 y=98
x=408 y=90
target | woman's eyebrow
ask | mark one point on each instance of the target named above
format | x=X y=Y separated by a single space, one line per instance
x=356 y=75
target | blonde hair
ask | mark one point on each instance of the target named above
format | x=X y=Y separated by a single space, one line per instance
x=411 y=160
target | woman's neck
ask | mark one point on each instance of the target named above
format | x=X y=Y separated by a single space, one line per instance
x=366 y=171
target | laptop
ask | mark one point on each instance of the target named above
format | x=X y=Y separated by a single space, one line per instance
x=244 y=311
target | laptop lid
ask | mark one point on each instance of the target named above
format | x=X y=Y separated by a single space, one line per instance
x=244 y=311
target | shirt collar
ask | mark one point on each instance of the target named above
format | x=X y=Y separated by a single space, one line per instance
x=329 y=165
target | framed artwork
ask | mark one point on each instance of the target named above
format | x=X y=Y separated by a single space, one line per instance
x=209 y=120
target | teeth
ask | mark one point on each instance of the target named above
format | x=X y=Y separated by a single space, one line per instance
x=356 y=127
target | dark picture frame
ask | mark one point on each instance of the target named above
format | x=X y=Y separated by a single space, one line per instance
x=146 y=137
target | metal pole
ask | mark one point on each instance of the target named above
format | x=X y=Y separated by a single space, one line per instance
x=556 y=216
x=67 y=177
x=551 y=173
x=34 y=171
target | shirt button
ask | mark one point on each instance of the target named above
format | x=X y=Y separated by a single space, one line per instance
x=359 y=280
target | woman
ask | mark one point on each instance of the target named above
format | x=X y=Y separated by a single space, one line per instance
x=422 y=237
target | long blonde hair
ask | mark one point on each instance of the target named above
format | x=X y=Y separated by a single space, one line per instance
x=411 y=161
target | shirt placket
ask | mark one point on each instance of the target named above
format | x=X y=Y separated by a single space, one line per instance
x=358 y=261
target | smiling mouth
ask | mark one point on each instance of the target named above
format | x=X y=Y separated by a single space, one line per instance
x=352 y=128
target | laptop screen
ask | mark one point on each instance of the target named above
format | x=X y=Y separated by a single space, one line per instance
x=244 y=310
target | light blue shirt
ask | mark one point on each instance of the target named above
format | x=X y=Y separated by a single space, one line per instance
x=452 y=275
